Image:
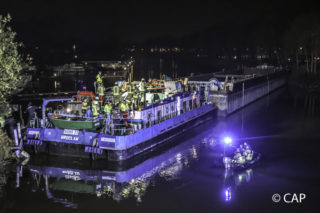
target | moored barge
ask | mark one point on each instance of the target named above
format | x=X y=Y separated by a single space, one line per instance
x=161 y=111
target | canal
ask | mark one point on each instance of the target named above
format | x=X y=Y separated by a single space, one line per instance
x=185 y=176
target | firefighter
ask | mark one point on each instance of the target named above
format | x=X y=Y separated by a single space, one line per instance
x=99 y=78
x=194 y=100
x=142 y=89
x=124 y=112
x=136 y=98
x=84 y=106
x=116 y=94
x=32 y=114
x=238 y=157
x=142 y=85
x=107 y=111
x=101 y=90
x=95 y=107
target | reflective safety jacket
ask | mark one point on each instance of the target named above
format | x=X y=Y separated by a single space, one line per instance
x=101 y=91
x=142 y=87
x=123 y=107
x=127 y=107
x=116 y=91
x=84 y=105
x=95 y=110
x=99 y=79
x=107 y=109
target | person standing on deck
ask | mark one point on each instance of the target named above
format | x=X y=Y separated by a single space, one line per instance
x=194 y=100
x=95 y=107
x=84 y=106
x=142 y=89
x=99 y=78
x=124 y=112
x=108 y=110
x=116 y=94
x=32 y=114
x=101 y=90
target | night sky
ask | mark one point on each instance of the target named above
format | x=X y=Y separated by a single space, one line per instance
x=99 y=23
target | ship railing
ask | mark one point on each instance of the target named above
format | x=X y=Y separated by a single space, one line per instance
x=119 y=129
x=117 y=126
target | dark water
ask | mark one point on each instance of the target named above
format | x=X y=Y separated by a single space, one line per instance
x=283 y=127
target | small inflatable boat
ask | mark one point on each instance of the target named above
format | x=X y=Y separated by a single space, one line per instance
x=230 y=163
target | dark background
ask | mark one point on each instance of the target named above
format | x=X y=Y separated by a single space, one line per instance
x=103 y=29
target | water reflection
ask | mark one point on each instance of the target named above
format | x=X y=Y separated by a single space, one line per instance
x=234 y=180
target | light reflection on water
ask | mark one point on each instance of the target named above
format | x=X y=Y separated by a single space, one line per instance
x=184 y=176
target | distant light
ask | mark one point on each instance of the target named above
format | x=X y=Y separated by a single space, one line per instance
x=227 y=140
x=68 y=110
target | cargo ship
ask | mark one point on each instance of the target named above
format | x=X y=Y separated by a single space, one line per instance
x=143 y=115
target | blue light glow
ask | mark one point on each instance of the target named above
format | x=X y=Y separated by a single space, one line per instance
x=227 y=140
x=227 y=193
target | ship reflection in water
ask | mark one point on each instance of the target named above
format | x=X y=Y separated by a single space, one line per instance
x=121 y=183
x=117 y=185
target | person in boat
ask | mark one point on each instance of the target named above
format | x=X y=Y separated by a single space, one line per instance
x=238 y=157
x=237 y=153
x=248 y=153
x=95 y=107
x=84 y=106
x=246 y=146
x=242 y=150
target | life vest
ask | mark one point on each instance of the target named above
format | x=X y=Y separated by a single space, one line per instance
x=123 y=107
x=99 y=79
x=101 y=91
x=127 y=107
x=95 y=110
x=129 y=89
x=84 y=105
x=107 y=109
x=142 y=87
x=115 y=90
